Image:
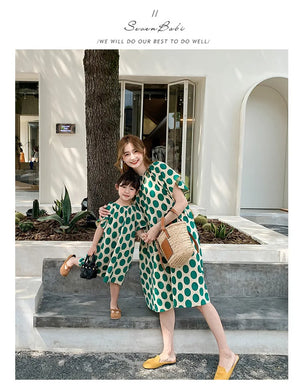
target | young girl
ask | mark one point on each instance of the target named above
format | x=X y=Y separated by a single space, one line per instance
x=114 y=238
x=165 y=289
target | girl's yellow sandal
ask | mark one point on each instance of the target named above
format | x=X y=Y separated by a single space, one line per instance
x=222 y=374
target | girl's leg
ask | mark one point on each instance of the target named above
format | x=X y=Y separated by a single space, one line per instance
x=114 y=295
x=167 y=323
x=73 y=261
x=226 y=356
x=68 y=264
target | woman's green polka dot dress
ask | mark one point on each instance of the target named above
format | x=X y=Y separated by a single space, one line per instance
x=116 y=246
x=171 y=287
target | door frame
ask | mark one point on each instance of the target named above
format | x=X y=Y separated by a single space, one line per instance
x=122 y=105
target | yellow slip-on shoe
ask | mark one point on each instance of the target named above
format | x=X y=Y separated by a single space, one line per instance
x=154 y=363
x=222 y=374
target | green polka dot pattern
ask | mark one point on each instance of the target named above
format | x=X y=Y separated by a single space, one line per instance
x=171 y=287
x=116 y=246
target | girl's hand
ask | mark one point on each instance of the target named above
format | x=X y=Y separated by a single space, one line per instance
x=103 y=212
x=152 y=233
x=143 y=236
x=92 y=250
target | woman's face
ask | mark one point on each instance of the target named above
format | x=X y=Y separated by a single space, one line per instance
x=133 y=158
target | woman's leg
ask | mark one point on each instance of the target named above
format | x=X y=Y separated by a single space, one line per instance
x=114 y=295
x=226 y=356
x=167 y=323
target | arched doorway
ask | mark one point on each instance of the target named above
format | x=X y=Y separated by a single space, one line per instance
x=264 y=147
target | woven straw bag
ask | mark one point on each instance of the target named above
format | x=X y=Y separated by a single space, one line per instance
x=174 y=243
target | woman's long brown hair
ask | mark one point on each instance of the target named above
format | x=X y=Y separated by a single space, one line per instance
x=138 y=144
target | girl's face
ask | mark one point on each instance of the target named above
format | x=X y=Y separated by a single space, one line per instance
x=126 y=193
x=134 y=158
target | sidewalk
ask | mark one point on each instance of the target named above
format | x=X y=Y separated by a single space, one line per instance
x=117 y=366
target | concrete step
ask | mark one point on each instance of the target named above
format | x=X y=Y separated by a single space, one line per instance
x=222 y=279
x=247 y=297
x=92 y=311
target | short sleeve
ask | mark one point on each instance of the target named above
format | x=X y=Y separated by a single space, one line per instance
x=170 y=177
x=104 y=221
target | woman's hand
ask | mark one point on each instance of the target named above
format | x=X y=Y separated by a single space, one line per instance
x=152 y=233
x=103 y=212
x=92 y=250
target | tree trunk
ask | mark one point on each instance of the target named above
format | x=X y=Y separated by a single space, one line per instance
x=102 y=108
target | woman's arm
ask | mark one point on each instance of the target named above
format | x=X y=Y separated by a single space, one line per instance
x=103 y=212
x=180 y=205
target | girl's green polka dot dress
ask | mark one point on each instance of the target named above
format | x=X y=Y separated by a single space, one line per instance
x=171 y=287
x=116 y=246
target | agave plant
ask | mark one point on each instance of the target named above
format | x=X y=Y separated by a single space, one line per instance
x=220 y=231
x=63 y=213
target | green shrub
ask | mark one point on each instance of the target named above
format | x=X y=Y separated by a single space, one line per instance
x=63 y=213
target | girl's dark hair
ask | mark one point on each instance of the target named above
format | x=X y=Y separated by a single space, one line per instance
x=129 y=178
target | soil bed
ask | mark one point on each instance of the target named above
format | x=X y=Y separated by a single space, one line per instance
x=47 y=231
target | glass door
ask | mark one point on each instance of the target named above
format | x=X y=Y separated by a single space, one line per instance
x=170 y=141
x=180 y=124
x=131 y=108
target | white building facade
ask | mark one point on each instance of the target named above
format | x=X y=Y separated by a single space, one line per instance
x=219 y=117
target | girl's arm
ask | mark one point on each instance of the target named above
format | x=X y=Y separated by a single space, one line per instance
x=180 y=205
x=97 y=235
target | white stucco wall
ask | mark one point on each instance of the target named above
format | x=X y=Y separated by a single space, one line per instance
x=61 y=98
x=223 y=78
x=264 y=177
x=228 y=75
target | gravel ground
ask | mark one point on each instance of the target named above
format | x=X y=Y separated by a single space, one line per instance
x=117 y=366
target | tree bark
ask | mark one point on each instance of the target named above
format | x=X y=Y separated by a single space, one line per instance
x=102 y=108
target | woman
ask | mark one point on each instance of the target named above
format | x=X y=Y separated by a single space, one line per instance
x=168 y=288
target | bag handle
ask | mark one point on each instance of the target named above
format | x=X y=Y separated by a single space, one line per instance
x=87 y=258
x=164 y=229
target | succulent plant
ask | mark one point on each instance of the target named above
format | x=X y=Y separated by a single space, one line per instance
x=200 y=220
x=206 y=227
x=63 y=213
x=25 y=226
x=19 y=215
x=221 y=231
x=35 y=209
